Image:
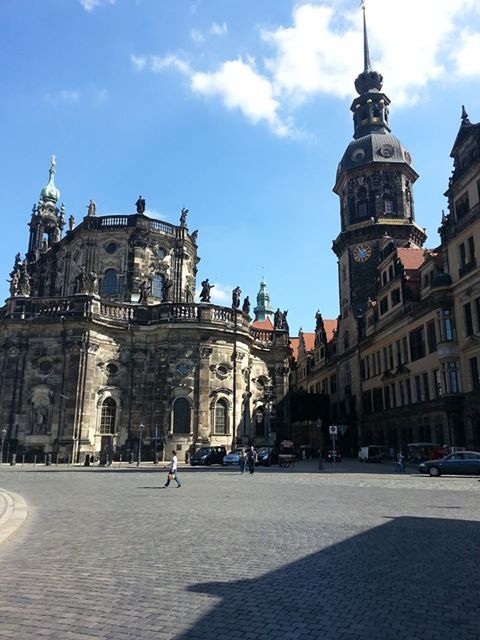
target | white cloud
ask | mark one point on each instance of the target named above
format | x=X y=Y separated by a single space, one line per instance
x=90 y=5
x=158 y=64
x=138 y=62
x=407 y=44
x=240 y=86
x=63 y=96
x=218 y=29
x=467 y=55
x=196 y=36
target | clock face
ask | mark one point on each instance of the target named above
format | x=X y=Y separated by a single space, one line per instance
x=362 y=252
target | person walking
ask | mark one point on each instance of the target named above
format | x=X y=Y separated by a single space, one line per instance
x=251 y=459
x=242 y=460
x=400 y=465
x=173 y=471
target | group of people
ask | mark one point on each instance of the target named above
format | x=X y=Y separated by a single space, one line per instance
x=246 y=458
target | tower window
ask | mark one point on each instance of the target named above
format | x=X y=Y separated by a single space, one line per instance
x=181 y=416
x=388 y=206
x=363 y=210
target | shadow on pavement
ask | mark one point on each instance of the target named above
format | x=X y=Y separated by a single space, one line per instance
x=414 y=578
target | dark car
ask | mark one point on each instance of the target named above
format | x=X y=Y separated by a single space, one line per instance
x=207 y=456
x=267 y=456
x=461 y=463
x=333 y=456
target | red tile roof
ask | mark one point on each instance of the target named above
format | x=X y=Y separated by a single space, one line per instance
x=294 y=343
x=309 y=339
x=411 y=258
x=330 y=328
x=263 y=325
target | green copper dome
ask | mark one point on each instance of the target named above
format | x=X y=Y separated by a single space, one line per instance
x=50 y=193
x=263 y=310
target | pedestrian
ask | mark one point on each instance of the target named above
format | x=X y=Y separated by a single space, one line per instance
x=251 y=459
x=173 y=471
x=242 y=460
x=400 y=465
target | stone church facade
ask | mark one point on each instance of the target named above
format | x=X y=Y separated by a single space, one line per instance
x=103 y=347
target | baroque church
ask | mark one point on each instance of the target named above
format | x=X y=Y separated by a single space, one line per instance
x=401 y=363
x=105 y=353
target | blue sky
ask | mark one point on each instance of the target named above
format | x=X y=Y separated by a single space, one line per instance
x=236 y=109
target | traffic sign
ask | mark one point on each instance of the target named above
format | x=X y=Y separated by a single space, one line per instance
x=332 y=429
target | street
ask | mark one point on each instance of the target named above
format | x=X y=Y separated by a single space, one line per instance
x=356 y=552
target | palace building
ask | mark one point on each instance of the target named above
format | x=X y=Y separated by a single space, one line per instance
x=103 y=347
x=401 y=363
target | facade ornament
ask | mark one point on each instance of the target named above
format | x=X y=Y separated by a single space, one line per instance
x=194 y=236
x=246 y=306
x=140 y=205
x=280 y=320
x=92 y=283
x=236 y=297
x=183 y=217
x=81 y=281
x=24 y=284
x=144 y=290
x=205 y=292
x=71 y=223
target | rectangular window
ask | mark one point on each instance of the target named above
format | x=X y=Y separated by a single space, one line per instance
x=437 y=383
x=462 y=206
x=417 y=344
x=467 y=312
x=395 y=296
x=431 y=337
x=463 y=254
x=333 y=384
x=426 y=387
x=378 y=368
x=477 y=315
x=447 y=325
x=401 y=386
x=471 y=249
x=418 y=388
x=398 y=350
x=390 y=357
x=405 y=350
x=450 y=377
x=386 y=397
x=474 y=377
x=385 y=360
x=383 y=305
x=408 y=388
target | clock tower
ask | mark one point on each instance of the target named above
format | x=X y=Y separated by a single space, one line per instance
x=374 y=183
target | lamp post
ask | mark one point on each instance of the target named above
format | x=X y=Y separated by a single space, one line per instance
x=4 y=435
x=140 y=433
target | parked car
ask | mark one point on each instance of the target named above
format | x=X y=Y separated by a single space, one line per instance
x=207 y=456
x=461 y=463
x=372 y=453
x=232 y=457
x=267 y=456
x=333 y=456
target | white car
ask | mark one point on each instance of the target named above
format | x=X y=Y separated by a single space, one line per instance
x=232 y=458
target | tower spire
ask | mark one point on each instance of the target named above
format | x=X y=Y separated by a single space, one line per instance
x=366 y=52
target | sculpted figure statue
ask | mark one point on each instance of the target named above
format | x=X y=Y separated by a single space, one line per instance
x=91 y=209
x=183 y=217
x=71 y=223
x=246 y=306
x=205 y=293
x=236 y=297
x=166 y=290
x=144 y=290
x=140 y=204
x=278 y=319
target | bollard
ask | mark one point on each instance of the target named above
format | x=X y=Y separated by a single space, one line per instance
x=156 y=458
x=56 y=463
x=120 y=461
x=13 y=461
x=48 y=459
x=23 y=460
x=68 y=460
x=34 y=460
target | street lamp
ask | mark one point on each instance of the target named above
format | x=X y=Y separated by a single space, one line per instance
x=4 y=435
x=140 y=429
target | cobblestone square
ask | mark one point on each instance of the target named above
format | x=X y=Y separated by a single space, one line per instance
x=353 y=553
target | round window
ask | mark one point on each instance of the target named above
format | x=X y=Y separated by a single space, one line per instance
x=111 y=368
x=222 y=370
x=111 y=247
x=161 y=253
x=45 y=367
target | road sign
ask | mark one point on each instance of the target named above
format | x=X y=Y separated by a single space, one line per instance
x=332 y=429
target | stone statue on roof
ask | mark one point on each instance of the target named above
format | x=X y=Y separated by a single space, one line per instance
x=205 y=292
x=140 y=205
x=236 y=297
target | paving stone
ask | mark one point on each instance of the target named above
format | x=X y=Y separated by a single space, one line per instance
x=346 y=554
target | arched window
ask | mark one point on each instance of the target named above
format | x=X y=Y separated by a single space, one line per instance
x=107 y=418
x=181 y=416
x=157 y=285
x=109 y=282
x=221 y=413
x=260 y=423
